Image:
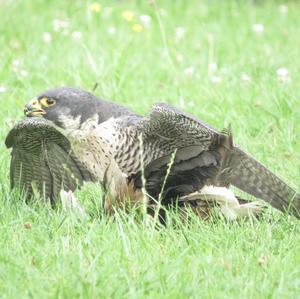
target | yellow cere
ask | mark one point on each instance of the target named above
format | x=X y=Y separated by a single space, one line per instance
x=137 y=28
x=95 y=7
x=128 y=15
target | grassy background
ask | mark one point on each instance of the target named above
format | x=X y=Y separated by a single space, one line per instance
x=50 y=253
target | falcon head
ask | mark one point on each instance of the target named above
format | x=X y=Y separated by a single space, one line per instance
x=67 y=107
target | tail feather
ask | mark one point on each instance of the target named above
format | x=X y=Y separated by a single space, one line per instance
x=254 y=178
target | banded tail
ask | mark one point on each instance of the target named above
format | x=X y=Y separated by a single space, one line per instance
x=254 y=178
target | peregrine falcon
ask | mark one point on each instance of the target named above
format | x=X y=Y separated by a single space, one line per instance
x=69 y=136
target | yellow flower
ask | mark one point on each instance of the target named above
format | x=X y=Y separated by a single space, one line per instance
x=128 y=15
x=95 y=7
x=137 y=27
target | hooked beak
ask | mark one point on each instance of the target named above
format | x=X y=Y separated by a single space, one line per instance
x=34 y=108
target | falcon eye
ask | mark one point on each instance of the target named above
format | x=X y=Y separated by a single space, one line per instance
x=46 y=102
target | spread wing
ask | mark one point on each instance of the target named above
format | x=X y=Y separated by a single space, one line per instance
x=170 y=129
x=42 y=160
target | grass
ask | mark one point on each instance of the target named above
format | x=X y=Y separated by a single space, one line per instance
x=53 y=254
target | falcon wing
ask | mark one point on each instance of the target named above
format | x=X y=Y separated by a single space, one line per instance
x=172 y=129
x=42 y=159
x=184 y=153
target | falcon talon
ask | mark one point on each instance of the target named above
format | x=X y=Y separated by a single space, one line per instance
x=100 y=141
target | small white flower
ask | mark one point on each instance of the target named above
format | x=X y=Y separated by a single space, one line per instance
x=56 y=25
x=283 y=8
x=23 y=73
x=245 y=77
x=181 y=102
x=258 y=28
x=179 y=33
x=216 y=79
x=16 y=63
x=189 y=71
x=145 y=20
x=283 y=74
x=64 y=24
x=179 y=57
x=111 y=30
x=47 y=38
x=212 y=67
x=191 y=104
x=2 y=89
x=59 y=25
x=76 y=36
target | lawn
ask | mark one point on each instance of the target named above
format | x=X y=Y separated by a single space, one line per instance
x=224 y=61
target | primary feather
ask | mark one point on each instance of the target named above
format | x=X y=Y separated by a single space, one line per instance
x=42 y=158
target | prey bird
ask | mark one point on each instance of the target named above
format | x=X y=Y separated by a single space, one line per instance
x=69 y=136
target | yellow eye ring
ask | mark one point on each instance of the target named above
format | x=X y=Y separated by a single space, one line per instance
x=46 y=102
